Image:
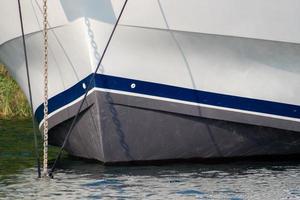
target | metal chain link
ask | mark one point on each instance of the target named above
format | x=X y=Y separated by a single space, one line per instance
x=45 y=35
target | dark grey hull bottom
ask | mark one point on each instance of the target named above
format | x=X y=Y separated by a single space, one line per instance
x=119 y=128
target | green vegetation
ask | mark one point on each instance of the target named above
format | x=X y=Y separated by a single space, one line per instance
x=13 y=103
x=16 y=137
x=17 y=147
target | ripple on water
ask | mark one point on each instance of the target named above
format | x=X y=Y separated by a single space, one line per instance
x=77 y=179
x=97 y=181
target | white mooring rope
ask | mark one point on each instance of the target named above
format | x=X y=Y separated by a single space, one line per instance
x=45 y=34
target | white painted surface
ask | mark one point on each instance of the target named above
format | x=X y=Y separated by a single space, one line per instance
x=268 y=19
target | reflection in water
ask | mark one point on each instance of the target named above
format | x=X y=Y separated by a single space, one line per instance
x=90 y=180
x=17 y=147
x=87 y=180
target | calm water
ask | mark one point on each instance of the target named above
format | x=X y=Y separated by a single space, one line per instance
x=77 y=179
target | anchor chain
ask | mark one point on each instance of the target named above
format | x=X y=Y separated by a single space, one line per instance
x=92 y=79
x=45 y=36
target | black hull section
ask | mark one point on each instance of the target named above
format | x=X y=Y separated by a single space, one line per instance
x=111 y=131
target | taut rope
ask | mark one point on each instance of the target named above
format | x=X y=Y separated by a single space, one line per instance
x=74 y=121
x=30 y=93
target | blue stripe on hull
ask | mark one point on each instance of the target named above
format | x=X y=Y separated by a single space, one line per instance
x=167 y=91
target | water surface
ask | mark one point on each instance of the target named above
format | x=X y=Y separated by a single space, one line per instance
x=79 y=179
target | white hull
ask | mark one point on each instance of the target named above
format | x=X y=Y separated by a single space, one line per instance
x=240 y=58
